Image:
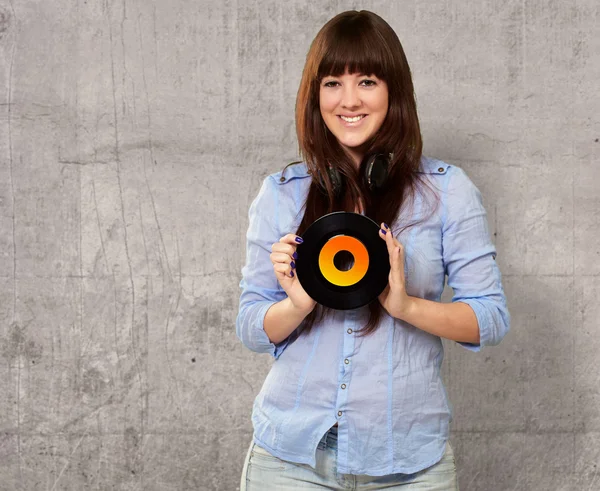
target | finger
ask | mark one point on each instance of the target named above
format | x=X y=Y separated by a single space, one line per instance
x=283 y=269
x=389 y=232
x=395 y=259
x=292 y=239
x=398 y=265
x=388 y=237
x=396 y=254
x=284 y=248
x=383 y=232
x=280 y=257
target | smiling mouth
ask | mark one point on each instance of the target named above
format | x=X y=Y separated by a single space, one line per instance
x=354 y=119
x=351 y=122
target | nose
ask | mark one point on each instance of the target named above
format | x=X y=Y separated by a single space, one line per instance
x=350 y=96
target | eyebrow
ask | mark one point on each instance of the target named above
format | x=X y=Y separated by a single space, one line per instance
x=358 y=74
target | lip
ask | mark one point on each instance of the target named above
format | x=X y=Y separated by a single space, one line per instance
x=352 y=125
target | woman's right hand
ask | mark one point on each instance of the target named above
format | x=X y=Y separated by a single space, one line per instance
x=282 y=257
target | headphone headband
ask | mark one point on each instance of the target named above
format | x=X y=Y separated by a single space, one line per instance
x=374 y=168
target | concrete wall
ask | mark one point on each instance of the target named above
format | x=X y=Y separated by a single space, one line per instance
x=133 y=137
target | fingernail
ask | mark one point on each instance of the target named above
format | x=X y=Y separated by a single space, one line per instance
x=299 y=240
x=293 y=265
x=292 y=274
x=385 y=225
x=384 y=231
x=295 y=255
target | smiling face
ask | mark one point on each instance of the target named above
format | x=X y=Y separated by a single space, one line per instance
x=353 y=107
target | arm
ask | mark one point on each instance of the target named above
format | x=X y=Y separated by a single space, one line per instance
x=469 y=261
x=282 y=319
x=455 y=321
x=261 y=292
x=477 y=315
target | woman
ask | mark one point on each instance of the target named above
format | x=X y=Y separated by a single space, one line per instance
x=354 y=399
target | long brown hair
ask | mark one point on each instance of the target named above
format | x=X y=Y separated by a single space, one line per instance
x=361 y=42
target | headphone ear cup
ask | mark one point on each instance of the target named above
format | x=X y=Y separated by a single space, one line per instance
x=375 y=171
x=336 y=181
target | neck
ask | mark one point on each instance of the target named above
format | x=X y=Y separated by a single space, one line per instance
x=356 y=157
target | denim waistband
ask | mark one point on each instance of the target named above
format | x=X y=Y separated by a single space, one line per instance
x=330 y=438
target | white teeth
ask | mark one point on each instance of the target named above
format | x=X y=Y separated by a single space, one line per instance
x=352 y=120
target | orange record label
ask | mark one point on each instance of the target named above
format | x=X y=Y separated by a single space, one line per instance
x=343 y=243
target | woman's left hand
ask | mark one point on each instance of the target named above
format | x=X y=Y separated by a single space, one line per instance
x=394 y=298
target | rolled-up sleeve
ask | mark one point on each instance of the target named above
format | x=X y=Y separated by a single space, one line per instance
x=469 y=259
x=260 y=288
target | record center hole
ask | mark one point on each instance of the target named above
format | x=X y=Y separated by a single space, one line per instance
x=343 y=260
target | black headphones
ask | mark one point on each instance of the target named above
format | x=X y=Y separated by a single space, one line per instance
x=374 y=168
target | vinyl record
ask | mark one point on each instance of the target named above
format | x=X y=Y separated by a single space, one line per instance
x=343 y=263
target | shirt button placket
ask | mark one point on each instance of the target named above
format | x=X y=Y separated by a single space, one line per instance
x=348 y=348
x=348 y=345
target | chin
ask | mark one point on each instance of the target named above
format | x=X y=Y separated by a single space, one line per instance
x=353 y=145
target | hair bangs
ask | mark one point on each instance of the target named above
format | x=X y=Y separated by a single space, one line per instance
x=359 y=49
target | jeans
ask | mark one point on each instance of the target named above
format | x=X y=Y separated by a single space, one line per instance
x=265 y=472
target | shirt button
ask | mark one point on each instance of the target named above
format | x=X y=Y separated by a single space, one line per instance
x=349 y=331
x=441 y=169
x=343 y=386
x=346 y=361
x=339 y=413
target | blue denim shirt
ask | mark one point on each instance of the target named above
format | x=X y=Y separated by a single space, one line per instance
x=384 y=390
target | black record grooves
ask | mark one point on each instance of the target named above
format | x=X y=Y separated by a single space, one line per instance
x=327 y=242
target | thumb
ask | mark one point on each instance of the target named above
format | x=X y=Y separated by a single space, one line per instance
x=397 y=264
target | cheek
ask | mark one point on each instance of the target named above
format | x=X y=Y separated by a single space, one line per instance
x=379 y=101
x=381 y=113
x=382 y=103
x=327 y=103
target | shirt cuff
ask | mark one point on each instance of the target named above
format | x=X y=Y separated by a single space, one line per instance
x=263 y=343
x=484 y=320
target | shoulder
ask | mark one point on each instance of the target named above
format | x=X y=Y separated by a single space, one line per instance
x=290 y=172
x=429 y=165
x=453 y=175
x=271 y=189
x=453 y=186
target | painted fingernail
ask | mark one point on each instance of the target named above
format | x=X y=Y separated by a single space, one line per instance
x=293 y=264
x=295 y=255
x=299 y=240
x=385 y=225
x=384 y=231
x=292 y=274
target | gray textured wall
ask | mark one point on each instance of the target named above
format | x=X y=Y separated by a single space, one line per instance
x=133 y=137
